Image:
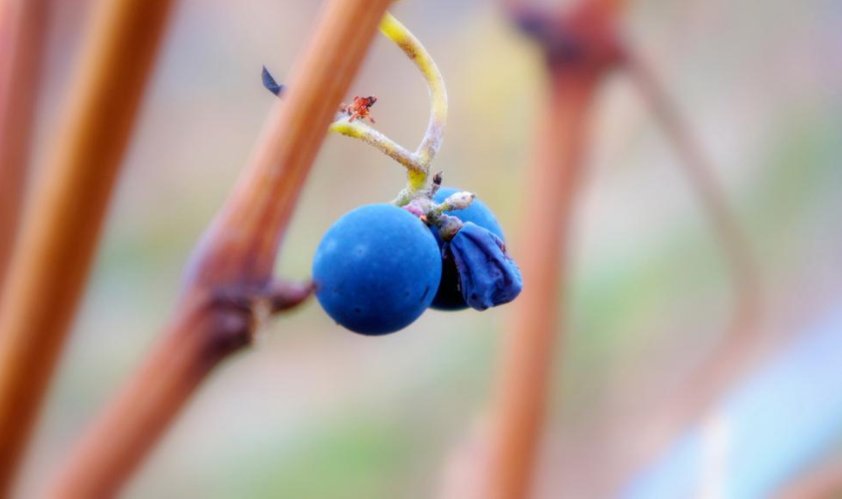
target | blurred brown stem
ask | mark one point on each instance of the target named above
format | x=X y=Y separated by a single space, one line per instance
x=535 y=317
x=229 y=286
x=57 y=241
x=822 y=481
x=22 y=38
x=589 y=34
x=579 y=48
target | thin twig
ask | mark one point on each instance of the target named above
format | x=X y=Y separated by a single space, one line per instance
x=343 y=124
x=732 y=354
x=229 y=280
x=371 y=136
x=415 y=50
x=22 y=38
x=58 y=238
x=700 y=171
x=417 y=163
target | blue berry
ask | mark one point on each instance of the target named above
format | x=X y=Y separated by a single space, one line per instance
x=449 y=295
x=377 y=269
x=487 y=275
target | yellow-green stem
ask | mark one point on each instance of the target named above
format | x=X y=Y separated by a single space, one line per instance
x=359 y=130
x=412 y=47
x=417 y=163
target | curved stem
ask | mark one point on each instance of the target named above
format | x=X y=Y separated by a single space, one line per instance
x=417 y=163
x=731 y=356
x=702 y=177
x=412 y=47
x=369 y=135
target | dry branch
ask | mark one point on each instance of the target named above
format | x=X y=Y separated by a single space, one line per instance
x=589 y=33
x=536 y=320
x=58 y=239
x=822 y=481
x=229 y=279
x=579 y=49
x=22 y=38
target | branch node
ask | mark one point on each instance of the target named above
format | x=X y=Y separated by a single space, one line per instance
x=238 y=312
x=581 y=38
x=285 y=295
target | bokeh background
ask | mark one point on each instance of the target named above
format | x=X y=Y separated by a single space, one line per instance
x=315 y=411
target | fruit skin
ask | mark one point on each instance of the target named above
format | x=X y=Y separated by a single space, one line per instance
x=448 y=296
x=488 y=276
x=376 y=269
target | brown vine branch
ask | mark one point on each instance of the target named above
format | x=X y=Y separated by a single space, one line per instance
x=536 y=320
x=22 y=38
x=57 y=241
x=229 y=279
x=579 y=48
x=590 y=34
x=822 y=481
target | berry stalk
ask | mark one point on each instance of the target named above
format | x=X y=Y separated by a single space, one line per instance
x=381 y=142
x=349 y=119
x=413 y=49
x=417 y=163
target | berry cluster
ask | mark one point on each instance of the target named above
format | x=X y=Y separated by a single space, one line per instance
x=380 y=266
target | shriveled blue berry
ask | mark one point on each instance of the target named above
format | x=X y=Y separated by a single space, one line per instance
x=376 y=269
x=487 y=276
x=449 y=295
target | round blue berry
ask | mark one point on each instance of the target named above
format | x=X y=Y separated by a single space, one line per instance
x=449 y=296
x=377 y=269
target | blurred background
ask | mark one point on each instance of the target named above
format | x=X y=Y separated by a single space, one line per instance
x=315 y=411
